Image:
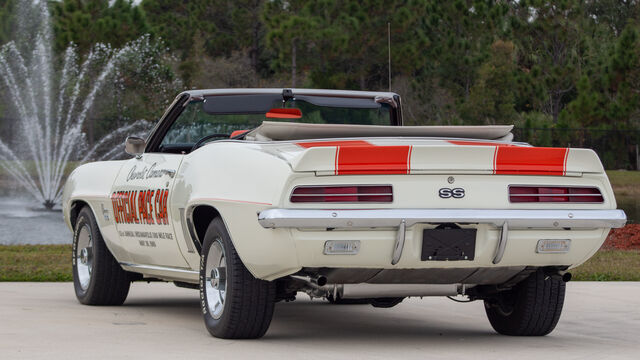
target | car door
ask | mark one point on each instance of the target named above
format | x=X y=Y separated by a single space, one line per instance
x=140 y=197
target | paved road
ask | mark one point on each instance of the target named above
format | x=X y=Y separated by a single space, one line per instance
x=160 y=321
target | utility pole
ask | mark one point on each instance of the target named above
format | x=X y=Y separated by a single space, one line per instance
x=294 y=69
x=389 y=48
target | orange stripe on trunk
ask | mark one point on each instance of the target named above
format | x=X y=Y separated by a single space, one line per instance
x=372 y=160
x=509 y=159
x=531 y=161
x=359 y=157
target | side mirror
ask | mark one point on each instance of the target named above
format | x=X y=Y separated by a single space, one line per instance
x=134 y=146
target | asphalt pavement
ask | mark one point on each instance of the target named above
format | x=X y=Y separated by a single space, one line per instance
x=160 y=321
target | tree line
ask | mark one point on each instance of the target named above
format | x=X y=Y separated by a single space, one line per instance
x=558 y=65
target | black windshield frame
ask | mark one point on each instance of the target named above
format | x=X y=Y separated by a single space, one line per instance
x=159 y=132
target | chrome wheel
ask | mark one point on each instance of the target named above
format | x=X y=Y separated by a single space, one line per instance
x=84 y=257
x=216 y=279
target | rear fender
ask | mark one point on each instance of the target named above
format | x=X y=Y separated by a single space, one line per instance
x=238 y=181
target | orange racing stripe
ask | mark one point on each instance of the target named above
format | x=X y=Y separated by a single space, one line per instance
x=509 y=159
x=358 y=157
x=531 y=161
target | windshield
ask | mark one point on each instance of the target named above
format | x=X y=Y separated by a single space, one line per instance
x=223 y=115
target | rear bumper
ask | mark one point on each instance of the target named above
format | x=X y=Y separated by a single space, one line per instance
x=505 y=237
x=381 y=218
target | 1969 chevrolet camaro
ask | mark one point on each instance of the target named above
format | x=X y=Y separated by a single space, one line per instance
x=254 y=195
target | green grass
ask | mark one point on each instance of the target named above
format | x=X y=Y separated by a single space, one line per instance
x=53 y=263
x=626 y=186
x=35 y=263
x=623 y=177
x=610 y=265
x=625 y=183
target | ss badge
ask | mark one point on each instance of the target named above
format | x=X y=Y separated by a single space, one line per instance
x=456 y=193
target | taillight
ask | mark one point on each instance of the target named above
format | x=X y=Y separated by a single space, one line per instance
x=528 y=194
x=342 y=194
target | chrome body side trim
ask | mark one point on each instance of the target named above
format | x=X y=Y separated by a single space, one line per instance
x=379 y=218
x=159 y=268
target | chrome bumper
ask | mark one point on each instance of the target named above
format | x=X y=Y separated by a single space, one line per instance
x=403 y=218
x=376 y=218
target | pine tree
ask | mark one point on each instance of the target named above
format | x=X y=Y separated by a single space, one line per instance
x=87 y=22
x=491 y=100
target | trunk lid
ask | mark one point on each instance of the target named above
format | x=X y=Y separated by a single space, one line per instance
x=396 y=156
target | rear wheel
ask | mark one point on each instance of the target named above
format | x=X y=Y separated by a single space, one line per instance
x=235 y=304
x=98 y=279
x=531 y=308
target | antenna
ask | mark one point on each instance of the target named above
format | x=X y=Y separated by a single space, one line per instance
x=389 y=47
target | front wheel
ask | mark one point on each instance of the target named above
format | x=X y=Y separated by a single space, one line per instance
x=235 y=304
x=98 y=279
x=531 y=308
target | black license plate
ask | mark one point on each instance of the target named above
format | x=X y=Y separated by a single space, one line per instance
x=448 y=244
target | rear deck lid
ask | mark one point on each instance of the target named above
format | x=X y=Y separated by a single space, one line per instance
x=387 y=156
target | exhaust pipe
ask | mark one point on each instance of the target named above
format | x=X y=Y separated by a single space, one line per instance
x=364 y=291
x=320 y=280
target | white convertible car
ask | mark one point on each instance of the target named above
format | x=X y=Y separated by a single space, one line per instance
x=255 y=195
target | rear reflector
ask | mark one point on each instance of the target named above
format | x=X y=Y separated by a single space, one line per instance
x=531 y=194
x=342 y=194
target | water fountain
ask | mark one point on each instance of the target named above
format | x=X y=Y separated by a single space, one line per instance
x=52 y=105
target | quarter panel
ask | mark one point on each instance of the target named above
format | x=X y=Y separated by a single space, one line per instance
x=239 y=180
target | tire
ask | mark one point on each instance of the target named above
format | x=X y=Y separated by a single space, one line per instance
x=235 y=305
x=98 y=279
x=531 y=308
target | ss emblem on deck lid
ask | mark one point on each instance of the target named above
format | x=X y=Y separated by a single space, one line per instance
x=456 y=193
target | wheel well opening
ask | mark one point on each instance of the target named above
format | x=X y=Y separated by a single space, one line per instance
x=202 y=216
x=76 y=206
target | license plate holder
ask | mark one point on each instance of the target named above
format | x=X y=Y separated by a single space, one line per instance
x=448 y=244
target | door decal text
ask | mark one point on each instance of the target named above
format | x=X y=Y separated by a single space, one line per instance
x=141 y=207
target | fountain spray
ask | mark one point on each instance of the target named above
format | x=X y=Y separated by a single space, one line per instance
x=52 y=106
